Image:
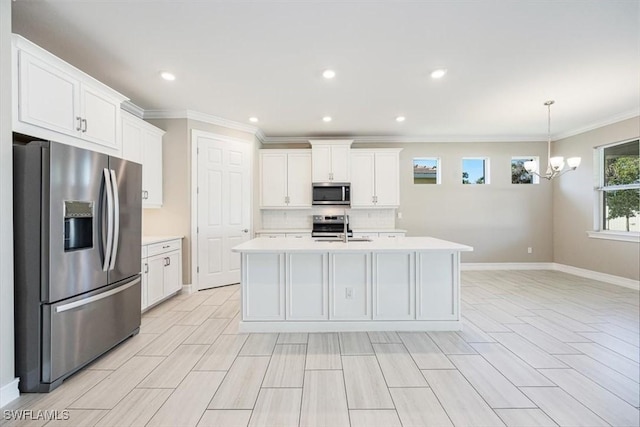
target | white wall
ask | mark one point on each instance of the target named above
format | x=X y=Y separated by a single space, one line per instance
x=8 y=385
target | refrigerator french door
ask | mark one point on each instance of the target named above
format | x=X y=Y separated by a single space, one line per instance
x=77 y=226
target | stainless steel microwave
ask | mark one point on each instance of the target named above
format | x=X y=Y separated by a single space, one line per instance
x=332 y=193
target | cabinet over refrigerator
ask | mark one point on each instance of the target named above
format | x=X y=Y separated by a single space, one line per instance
x=77 y=226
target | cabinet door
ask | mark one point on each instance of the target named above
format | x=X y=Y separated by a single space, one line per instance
x=48 y=97
x=273 y=179
x=132 y=139
x=350 y=282
x=145 y=283
x=299 y=180
x=321 y=159
x=393 y=286
x=172 y=273
x=387 y=183
x=155 y=279
x=307 y=286
x=263 y=292
x=340 y=163
x=362 y=182
x=151 y=169
x=101 y=115
x=437 y=285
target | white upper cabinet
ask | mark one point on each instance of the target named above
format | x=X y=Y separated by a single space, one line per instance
x=375 y=177
x=330 y=160
x=285 y=178
x=54 y=100
x=142 y=143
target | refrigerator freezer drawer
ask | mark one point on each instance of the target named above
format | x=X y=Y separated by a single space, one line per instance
x=78 y=330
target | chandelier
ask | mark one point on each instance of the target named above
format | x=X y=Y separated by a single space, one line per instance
x=555 y=165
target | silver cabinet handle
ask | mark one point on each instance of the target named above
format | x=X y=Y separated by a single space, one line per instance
x=146 y=267
x=168 y=261
x=246 y=230
x=108 y=249
x=79 y=119
x=116 y=218
x=95 y=298
x=84 y=130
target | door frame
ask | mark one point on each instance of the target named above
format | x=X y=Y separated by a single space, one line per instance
x=193 y=145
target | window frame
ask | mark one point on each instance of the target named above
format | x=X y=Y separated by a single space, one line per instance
x=438 y=168
x=487 y=169
x=600 y=190
x=535 y=178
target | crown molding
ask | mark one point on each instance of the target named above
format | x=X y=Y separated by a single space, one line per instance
x=396 y=139
x=132 y=108
x=202 y=117
x=601 y=123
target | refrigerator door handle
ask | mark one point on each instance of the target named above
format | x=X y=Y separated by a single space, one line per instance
x=95 y=298
x=109 y=247
x=116 y=218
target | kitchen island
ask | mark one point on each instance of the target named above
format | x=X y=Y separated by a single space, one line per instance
x=305 y=285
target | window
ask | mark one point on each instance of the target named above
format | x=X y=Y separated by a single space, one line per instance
x=426 y=170
x=519 y=174
x=475 y=170
x=618 y=189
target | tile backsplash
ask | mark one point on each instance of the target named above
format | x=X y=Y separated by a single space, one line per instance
x=288 y=219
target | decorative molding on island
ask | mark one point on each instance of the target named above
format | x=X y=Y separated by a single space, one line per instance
x=303 y=285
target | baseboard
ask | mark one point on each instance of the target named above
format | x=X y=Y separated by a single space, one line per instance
x=9 y=392
x=595 y=275
x=482 y=266
x=186 y=289
x=581 y=272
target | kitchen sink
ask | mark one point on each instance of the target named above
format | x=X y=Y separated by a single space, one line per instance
x=352 y=239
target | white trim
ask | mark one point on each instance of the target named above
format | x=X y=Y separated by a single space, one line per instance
x=202 y=117
x=483 y=266
x=596 y=275
x=622 y=236
x=576 y=271
x=342 y=326
x=600 y=123
x=399 y=139
x=132 y=108
x=9 y=392
x=187 y=289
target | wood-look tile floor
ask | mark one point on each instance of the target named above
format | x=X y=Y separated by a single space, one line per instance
x=538 y=348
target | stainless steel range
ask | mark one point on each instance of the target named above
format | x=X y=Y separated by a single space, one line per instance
x=330 y=226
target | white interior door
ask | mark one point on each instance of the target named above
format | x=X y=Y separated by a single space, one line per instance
x=223 y=208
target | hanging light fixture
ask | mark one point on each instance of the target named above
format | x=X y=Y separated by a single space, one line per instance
x=555 y=165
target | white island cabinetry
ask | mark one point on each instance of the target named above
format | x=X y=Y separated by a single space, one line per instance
x=302 y=285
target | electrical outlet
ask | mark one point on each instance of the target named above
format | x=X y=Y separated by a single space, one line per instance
x=348 y=293
x=529 y=250
x=399 y=215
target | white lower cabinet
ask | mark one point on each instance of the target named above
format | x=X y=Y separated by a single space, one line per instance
x=161 y=271
x=350 y=286
x=307 y=286
x=394 y=286
x=263 y=296
x=436 y=298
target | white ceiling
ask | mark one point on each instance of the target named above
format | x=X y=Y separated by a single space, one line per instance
x=236 y=59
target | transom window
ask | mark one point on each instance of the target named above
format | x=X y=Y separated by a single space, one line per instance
x=475 y=170
x=426 y=170
x=618 y=189
x=519 y=174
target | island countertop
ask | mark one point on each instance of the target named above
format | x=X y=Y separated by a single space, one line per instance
x=404 y=244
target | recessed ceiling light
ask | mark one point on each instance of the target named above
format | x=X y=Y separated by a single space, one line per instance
x=439 y=73
x=253 y=119
x=326 y=119
x=328 y=74
x=167 y=76
x=400 y=119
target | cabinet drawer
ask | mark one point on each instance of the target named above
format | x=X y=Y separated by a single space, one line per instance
x=391 y=235
x=298 y=235
x=162 y=247
x=273 y=235
x=144 y=252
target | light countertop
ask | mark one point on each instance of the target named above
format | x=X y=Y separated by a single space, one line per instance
x=377 y=244
x=149 y=240
x=308 y=230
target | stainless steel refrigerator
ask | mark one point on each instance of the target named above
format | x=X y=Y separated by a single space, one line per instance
x=77 y=225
